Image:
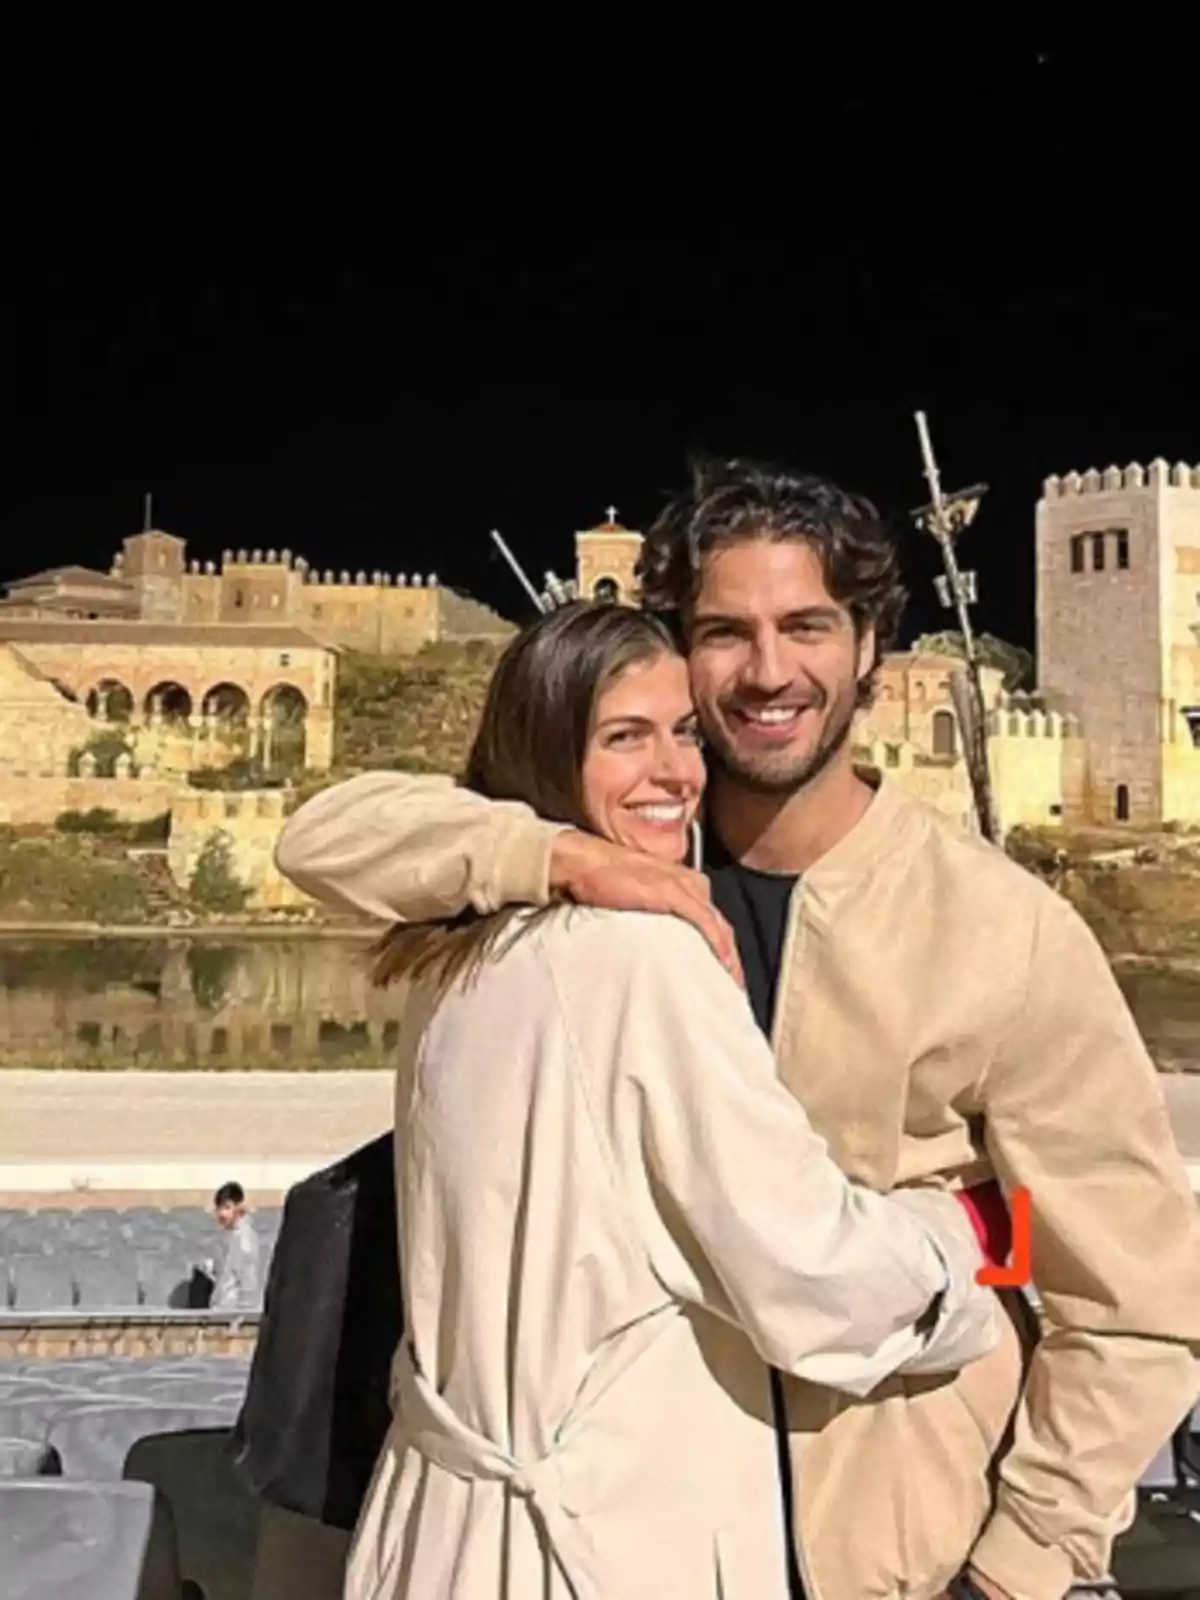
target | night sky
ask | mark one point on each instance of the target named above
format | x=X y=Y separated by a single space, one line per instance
x=370 y=337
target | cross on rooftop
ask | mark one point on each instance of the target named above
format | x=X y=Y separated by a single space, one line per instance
x=612 y=513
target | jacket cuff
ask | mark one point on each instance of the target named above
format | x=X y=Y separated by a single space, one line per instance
x=1018 y=1564
x=520 y=865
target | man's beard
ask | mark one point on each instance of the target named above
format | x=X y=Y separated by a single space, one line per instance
x=784 y=774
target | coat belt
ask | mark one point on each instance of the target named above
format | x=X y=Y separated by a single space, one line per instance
x=430 y=1427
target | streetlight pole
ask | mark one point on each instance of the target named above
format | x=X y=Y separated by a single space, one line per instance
x=945 y=517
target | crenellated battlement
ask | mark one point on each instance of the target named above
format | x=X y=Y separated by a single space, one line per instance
x=1122 y=480
x=219 y=806
x=377 y=580
x=1015 y=716
x=241 y=561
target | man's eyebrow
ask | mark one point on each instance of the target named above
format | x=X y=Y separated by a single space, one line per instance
x=802 y=613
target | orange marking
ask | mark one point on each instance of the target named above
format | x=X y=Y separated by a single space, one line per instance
x=1019 y=1271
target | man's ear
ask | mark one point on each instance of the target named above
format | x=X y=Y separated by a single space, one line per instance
x=866 y=651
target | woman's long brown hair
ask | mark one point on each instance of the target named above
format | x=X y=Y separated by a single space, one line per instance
x=530 y=747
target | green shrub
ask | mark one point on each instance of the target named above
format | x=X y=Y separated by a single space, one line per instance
x=115 y=894
x=98 y=820
x=241 y=773
x=65 y=878
x=107 y=748
x=214 y=885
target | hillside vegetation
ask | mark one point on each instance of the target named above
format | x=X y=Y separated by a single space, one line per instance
x=414 y=713
x=68 y=876
x=1138 y=891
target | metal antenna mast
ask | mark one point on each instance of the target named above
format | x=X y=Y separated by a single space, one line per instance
x=945 y=518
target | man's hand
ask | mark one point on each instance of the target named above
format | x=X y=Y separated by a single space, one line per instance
x=595 y=872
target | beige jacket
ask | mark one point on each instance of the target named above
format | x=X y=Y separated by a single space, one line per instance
x=943 y=1015
x=601 y=1184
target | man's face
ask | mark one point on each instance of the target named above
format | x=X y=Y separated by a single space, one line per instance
x=227 y=1213
x=774 y=663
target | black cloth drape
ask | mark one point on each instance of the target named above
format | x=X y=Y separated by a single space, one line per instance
x=317 y=1407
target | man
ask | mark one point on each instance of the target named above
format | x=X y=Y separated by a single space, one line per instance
x=238 y=1277
x=942 y=1016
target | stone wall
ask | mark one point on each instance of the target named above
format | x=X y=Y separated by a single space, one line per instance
x=251 y=821
x=1181 y=649
x=913 y=704
x=1037 y=759
x=63 y=1336
x=943 y=786
x=1038 y=765
x=39 y=725
x=376 y=613
x=29 y=802
x=175 y=749
x=1181 y=783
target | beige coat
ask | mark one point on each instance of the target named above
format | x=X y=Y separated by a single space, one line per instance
x=601 y=1180
x=945 y=1016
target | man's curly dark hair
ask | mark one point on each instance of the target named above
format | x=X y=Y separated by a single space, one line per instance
x=733 y=500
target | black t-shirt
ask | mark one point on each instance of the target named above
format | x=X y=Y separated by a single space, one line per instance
x=756 y=904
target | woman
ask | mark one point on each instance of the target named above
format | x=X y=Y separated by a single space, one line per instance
x=612 y=1214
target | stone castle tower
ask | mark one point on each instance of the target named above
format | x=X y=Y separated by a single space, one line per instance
x=605 y=558
x=151 y=563
x=1118 y=632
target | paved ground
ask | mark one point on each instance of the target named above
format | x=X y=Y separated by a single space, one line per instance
x=180 y=1133
x=140 y=1115
x=129 y=1134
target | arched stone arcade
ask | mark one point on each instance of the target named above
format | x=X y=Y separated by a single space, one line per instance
x=220 y=721
x=186 y=696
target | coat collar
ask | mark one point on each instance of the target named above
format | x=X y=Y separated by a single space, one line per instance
x=888 y=819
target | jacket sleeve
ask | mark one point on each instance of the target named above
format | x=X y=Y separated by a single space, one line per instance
x=1075 y=1114
x=397 y=847
x=738 y=1200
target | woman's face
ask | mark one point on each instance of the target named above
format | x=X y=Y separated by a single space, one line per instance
x=643 y=772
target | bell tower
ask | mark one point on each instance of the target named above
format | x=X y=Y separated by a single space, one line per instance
x=605 y=558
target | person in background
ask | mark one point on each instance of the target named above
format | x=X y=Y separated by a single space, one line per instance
x=238 y=1282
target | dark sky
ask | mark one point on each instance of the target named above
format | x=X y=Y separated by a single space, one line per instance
x=369 y=337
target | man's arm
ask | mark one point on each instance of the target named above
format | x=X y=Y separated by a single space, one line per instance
x=1075 y=1114
x=394 y=846
x=397 y=847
